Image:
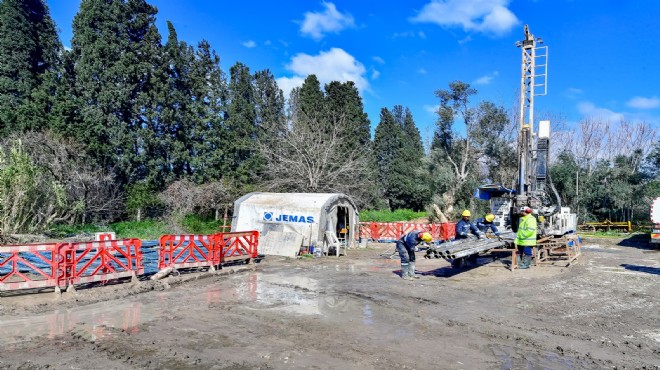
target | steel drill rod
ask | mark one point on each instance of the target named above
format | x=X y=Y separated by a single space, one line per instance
x=474 y=249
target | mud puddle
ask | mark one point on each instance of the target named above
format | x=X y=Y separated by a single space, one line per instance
x=298 y=295
x=98 y=320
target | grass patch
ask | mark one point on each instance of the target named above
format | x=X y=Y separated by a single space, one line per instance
x=197 y=225
x=148 y=229
x=390 y=216
x=63 y=231
x=606 y=234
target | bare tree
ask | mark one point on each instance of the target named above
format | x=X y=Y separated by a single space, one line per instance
x=594 y=139
x=310 y=157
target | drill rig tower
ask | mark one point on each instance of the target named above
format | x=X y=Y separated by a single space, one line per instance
x=534 y=183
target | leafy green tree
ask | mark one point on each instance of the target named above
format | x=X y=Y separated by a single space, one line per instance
x=140 y=197
x=30 y=65
x=467 y=137
x=270 y=107
x=450 y=147
x=343 y=102
x=398 y=153
x=211 y=150
x=114 y=50
x=310 y=99
x=388 y=153
x=241 y=124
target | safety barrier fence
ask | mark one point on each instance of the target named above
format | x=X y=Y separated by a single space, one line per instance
x=388 y=231
x=63 y=265
x=183 y=251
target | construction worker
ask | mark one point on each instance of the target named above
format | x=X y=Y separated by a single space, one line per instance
x=464 y=226
x=526 y=236
x=486 y=224
x=406 y=248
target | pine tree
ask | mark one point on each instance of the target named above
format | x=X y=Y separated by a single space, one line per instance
x=115 y=46
x=211 y=147
x=241 y=118
x=29 y=65
x=387 y=150
x=270 y=107
x=344 y=104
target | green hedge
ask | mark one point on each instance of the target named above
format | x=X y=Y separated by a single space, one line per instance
x=390 y=216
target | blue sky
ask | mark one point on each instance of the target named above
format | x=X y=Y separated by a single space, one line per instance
x=604 y=55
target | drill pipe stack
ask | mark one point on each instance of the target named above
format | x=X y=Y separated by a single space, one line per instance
x=459 y=249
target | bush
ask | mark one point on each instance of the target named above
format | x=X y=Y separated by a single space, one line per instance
x=390 y=216
x=149 y=230
x=198 y=225
x=63 y=230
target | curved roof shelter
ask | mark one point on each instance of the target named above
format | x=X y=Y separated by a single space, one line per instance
x=321 y=219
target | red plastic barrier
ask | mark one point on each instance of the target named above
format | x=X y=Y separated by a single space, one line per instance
x=182 y=251
x=87 y=262
x=22 y=262
x=237 y=245
x=63 y=264
x=395 y=230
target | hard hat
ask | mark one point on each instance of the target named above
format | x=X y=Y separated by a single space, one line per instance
x=426 y=237
x=466 y=213
x=490 y=217
x=525 y=210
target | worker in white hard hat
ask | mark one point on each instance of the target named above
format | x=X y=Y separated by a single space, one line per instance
x=465 y=226
x=526 y=236
x=406 y=248
x=486 y=224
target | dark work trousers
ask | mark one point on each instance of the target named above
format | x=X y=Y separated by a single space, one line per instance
x=527 y=251
x=406 y=253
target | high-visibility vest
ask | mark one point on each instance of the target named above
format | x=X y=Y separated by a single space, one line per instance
x=526 y=235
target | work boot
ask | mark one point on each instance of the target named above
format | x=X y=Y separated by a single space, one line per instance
x=404 y=272
x=526 y=262
x=411 y=271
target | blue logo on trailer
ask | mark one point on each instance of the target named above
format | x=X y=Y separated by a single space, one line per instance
x=270 y=217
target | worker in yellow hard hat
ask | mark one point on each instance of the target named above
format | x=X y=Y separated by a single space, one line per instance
x=406 y=248
x=486 y=224
x=465 y=226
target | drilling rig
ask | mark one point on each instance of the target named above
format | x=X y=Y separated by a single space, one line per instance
x=534 y=187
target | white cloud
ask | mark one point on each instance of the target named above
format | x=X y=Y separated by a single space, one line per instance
x=433 y=109
x=421 y=71
x=288 y=83
x=378 y=59
x=487 y=79
x=421 y=35
x=375 y=74
x=249 y=44
x=590 y=110
x=330 y=20
x=487 y=16
x=573 y=92
x=332 y=65
x=465 y=40
x=641 y=102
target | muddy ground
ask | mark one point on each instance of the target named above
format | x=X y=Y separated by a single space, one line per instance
x=353 y=312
